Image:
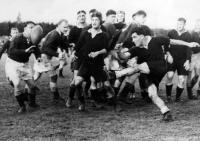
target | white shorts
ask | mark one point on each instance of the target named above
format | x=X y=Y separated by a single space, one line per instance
x=15 y=70
x=17 y=73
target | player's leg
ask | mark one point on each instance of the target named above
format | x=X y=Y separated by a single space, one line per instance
x=72 y=89
x=152 y=91
x=180 y=87
x=127 y=86
x=171 y=68
x=190 y=84
x=79 y=91
x=62 y=64
x=53 y=87
x=169 y=84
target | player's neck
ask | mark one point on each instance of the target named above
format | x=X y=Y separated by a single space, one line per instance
x=81 y=25
x=181 y=31
x=146 y=41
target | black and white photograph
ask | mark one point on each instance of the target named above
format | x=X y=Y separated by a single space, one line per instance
x=100 y=70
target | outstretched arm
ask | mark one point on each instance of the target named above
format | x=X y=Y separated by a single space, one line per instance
x=179 y=42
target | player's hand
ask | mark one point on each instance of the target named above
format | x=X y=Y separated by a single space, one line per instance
x=187 y=65
x=72 y=45
x=132 y=62
x=61 y=55
x=170 y=59
x=44 y=58
x=93 y=54
x=117 y=46
x=123 y=50
x=194 y=44
x=73 y=56
x=30 y=49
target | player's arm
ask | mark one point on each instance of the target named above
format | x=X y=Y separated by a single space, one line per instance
x=49 y=45
x=179 y=42
x=103 y=50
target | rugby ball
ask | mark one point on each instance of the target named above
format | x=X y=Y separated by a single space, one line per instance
x=36 y=34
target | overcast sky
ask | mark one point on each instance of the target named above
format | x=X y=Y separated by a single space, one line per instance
x=160 y=13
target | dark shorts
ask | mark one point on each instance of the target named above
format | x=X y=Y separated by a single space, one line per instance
x=88 y=69
x=179 y=66
x=158 y=69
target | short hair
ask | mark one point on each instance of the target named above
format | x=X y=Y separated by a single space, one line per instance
x=121 y=12
x=81 y=11
x=92 y=11
x=182 y=19
x=142 y=30
x=98 y=15
x=111 y=12
x=61 y=21
x=140 y=12
x=14 y=28
x=30 y=22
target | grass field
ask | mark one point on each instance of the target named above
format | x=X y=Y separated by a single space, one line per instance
x=139 y=121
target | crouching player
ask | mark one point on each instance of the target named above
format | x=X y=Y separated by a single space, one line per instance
x=17 y=65
x=153 y=63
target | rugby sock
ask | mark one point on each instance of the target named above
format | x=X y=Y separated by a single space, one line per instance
x=32 y=102
x=20 y=100
x=93 y=93
x=178 y=93
x=125 y=90
x=79 y=92
x=169 y=90
x=189 y=92
x=72 y=92
x=87 y=86
x=194 y=80
x=56 y=94
x=116 y=89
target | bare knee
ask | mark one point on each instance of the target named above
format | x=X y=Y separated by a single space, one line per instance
x=181 y=81
x=152 y=91
x=170 y=76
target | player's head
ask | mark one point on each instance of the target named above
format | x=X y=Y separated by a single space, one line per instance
x=139 y=34
x=13 y=32
x=120 y=16
x=181 y=24
x=96 y=20
x=197 y=25
x=92 y=11
x=81 y=16
x=63 y=26
x=111 y=16
x=139 y=17
x=28 y=28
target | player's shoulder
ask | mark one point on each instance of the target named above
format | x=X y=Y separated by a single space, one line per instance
x=18 y=38
x=52 y=34
x=172 y=31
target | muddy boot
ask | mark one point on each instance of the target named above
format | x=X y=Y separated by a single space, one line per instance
x=167 y=117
